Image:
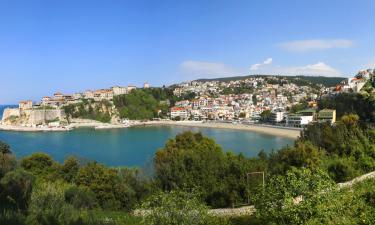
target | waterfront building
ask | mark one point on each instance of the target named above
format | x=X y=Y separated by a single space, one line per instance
x=179 y=112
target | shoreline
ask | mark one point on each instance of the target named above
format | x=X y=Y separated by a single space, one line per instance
x=292 y=133
x=286 y=132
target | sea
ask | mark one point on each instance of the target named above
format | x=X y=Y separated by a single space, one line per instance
x=135 y=146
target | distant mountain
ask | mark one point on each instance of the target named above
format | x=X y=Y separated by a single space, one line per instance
x=326 y=81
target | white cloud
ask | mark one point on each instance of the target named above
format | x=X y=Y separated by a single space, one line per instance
x=317 y=69
x=200 y=69
x=258 y=65
x=315 y=44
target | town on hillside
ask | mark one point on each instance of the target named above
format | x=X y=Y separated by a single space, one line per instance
x=289 y=101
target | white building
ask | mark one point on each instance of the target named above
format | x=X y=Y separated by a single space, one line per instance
x=180 y=112
x=117 y=90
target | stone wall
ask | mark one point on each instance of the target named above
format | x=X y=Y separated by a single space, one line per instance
x=40 y=116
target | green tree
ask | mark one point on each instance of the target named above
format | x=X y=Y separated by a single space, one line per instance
x=101 y=181
x=69 y=168
x=39 y=164
x=265 y=116
x=290 y=199
x=17 y=187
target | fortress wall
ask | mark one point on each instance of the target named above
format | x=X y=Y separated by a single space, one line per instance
x=8 y=112
x=40 y=116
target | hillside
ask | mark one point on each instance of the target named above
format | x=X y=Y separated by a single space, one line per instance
x=326 y=81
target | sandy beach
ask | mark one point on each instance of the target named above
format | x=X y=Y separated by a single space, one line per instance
x=271 y=130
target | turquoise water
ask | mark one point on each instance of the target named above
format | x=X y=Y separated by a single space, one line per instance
x=131 y=146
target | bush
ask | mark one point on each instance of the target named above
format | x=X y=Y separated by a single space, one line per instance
x=9 y=217
x=17 y=187
x=343 y=169
x=39 y=164
x=70 y=169
x=80 y=198
x=176 y=208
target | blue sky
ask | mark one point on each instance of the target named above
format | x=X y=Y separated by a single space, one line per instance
x=70 y=46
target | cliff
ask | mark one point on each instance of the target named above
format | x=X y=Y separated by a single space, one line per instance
x=15 y=116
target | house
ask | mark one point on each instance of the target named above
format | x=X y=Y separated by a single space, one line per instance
x=327 y=115
x=179 y=112
x=23 y=105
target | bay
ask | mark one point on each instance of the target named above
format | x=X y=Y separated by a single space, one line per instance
x=133 y=146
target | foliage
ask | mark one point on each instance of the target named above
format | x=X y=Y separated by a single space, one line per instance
x=87 y=109
x=8 y=163
x=16 y=189
x=80 y=198
x=265 y=116
x=138 y=104
x=288 y=199
x=193 y=161
x=4 y=148
x=69 y=169
x=298 y=107
x=303 y=154
x=176 y=208
x=361 y=104
x=101 y=181
x=39 y=164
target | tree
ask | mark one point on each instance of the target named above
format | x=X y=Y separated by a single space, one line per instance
x=265 y=116
x=138 y=104
x=69 y=168
x=39 y=164
x=4 y=148
x=191 y=160
x=290 y=199
x=101 y=181
x=17 y=187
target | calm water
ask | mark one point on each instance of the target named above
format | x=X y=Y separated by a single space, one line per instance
x=132 y=146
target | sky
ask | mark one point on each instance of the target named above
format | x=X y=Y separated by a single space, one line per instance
x=72 y=46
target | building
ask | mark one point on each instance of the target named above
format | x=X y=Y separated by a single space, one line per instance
x=146 y=85
x=58 y=96
x=25 y=105
x=277 y=116
x=117 y=90
x=46 y=101
x=301 y=118
x=327 y=115
x=179 y=112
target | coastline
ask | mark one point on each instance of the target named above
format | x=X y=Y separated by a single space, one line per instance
x=264 y=129
x=292 y=133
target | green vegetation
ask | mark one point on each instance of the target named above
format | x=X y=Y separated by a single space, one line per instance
x=362 y=104
x=88 y=109
x=138 y=104
x=142 y=104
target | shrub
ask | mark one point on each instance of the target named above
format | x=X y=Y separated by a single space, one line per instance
x=17 y=187
x=80 y=198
